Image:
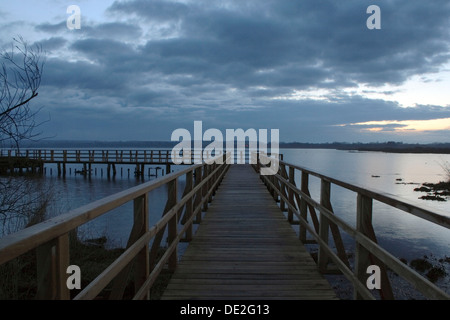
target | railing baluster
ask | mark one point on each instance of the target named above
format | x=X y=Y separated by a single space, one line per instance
x=363 y=257
x=198 y=195
x=291 y=194
x=46 y=265
x=303 y=205
x=205 y=187
x=142 y=266
x=62 y=262
x=189 y=206
x=172 y=225
x=325 y=189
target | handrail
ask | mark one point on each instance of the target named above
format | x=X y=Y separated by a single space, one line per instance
x=435 y=216
x=283 y=187
x=50 y=237
x=111 y=156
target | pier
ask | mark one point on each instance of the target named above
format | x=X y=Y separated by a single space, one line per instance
x=82 y=161
x=248 y=243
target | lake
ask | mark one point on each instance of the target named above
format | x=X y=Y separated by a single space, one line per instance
x=401 y=233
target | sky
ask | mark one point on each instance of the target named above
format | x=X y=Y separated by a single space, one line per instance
x=140 y=69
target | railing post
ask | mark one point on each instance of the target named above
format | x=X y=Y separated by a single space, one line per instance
x=304 y=205
x=291 y=194
x=172 y=225
x=142 y=258
x=283 y=189
x=62 y=262
x=140 y=227
x=363 y=217
x=52 y=262
x=198 y=195
x=189 y=206
x=363 y=257
x=205 y=187
x=210 y=182
x=325 y=189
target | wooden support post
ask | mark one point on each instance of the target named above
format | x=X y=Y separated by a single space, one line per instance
x=62 y=262
x=363 y=258
x=198 y=195
x=283 y=189
x=142 y=258
x=324 y=224
x=303 y=206
x=205 y=187
x=291 y=194
x=216 y=175
x=172 y=225
x=59 y=169
x=189 y=206
x=140 y=227
x=52 y=262
x=363 y=217
x=46 y=264
x=210 y=181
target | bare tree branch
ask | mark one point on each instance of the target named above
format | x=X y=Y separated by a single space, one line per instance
x=20 y=78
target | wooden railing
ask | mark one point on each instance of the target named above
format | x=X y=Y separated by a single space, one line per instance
x=50 y=239
x=116 y=156
x=92 y=156
x=298 y=202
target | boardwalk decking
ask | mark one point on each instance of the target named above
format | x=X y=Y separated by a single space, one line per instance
x=245 y=249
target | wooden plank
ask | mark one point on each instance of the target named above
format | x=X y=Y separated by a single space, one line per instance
x=245 y=248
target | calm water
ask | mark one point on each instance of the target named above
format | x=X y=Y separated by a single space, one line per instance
x=401 y=233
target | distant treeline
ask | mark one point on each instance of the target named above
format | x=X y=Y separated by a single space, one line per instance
x=391 y=146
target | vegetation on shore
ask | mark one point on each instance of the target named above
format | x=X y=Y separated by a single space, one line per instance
x=437 y=191
x=19 y=276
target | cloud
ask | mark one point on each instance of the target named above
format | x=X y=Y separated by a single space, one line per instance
x=155 y=10
x=275 y=63
x=51 y=44
x=115 y=30
x=51 y=28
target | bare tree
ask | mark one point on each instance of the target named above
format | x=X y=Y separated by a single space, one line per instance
x=20 y=78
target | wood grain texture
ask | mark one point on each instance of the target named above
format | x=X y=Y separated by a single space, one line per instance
x=245 y=249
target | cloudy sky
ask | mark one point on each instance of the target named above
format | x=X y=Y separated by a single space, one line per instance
x=139 y=69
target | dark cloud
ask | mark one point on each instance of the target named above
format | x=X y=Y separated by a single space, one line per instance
x=116 y=30
x=229 y=62
x=156 y=10
x=51 y=44
x=51 y=28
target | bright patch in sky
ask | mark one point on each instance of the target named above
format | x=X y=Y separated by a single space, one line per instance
x=430 y=89
x=407 y=125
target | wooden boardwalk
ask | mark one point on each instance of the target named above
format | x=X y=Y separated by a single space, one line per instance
x=245 y=249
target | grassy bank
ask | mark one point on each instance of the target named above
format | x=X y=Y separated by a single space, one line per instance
x=18 y=277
